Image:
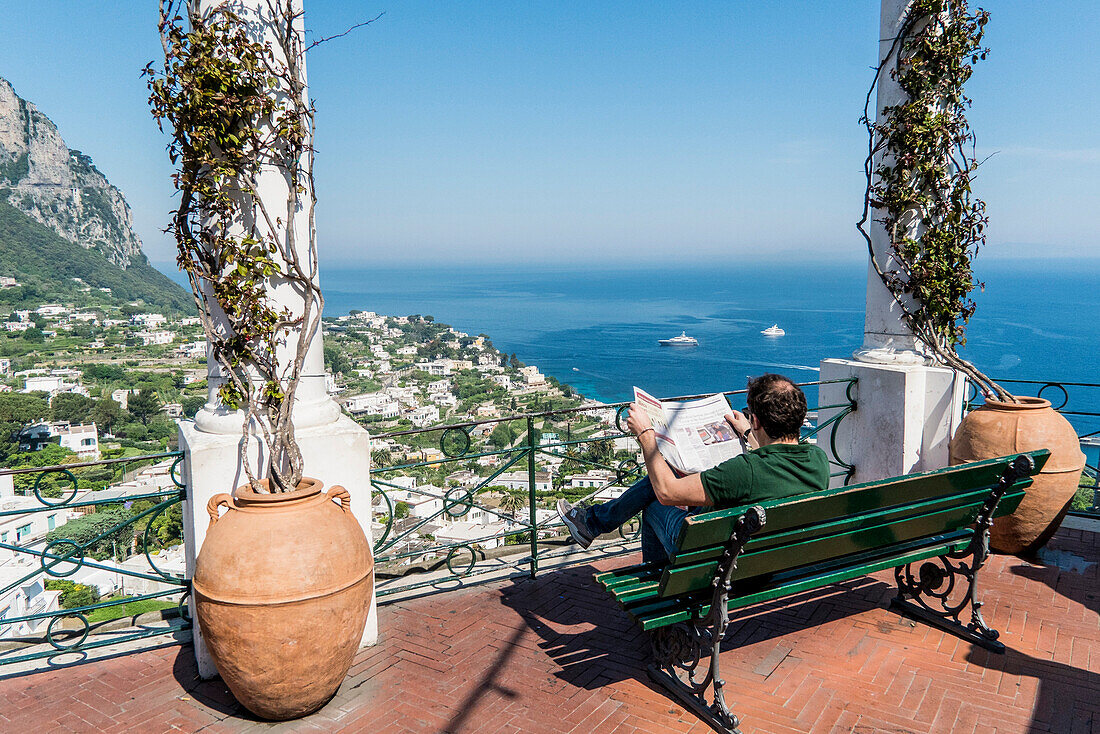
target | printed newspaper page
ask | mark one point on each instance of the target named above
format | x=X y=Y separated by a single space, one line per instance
x=691 y=435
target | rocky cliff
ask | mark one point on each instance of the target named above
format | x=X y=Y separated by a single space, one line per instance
x=58 y=187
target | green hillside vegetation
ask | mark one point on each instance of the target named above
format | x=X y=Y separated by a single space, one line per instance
x=45 y=264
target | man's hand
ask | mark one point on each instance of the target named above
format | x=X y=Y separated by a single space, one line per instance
x=738 y=422
x=637 y=420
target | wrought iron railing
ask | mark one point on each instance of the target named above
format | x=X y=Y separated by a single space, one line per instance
x=1080 y=403
x=62 y=495
x=432 y=534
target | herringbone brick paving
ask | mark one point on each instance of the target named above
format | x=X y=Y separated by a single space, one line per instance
x=555 y=655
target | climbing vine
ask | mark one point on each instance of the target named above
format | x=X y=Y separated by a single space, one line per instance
x=236 y=108
x=919 y=167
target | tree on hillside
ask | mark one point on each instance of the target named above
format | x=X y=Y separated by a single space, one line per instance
x=336 y=360
x=50 y=484
x=18 y=410
x=70 y=407
x=191 y=405
x=73 y=595
x=514 y=362
x=144 y=405
x=600 y=452
x=103 y=372
x=380 y=458
x=502 y=436
x=512 y=502
x=34 y=335
x=106 y=413
x=85 y=529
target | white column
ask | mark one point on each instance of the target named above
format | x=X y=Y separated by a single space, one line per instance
x=335 y=449
x=886 y=337
x=907 y=407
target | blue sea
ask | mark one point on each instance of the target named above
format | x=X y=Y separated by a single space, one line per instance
x=597 y=327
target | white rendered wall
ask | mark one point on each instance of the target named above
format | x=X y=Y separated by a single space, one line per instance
x=907 y=408
x=904 y=418
x=336 y=450
x=886 y=337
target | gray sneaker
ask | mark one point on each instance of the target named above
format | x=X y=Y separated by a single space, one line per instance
x=573 y=517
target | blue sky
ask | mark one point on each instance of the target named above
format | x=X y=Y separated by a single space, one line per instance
x=611 y=132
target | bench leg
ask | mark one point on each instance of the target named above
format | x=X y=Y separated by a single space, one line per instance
x=931 y=593
x=931 y=596
x=682 y=647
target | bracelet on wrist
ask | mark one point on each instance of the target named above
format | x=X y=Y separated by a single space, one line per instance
x=644 y=431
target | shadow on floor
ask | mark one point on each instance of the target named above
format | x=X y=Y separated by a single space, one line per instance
x=1067 y=695
x=210 y=693
x=596 y=643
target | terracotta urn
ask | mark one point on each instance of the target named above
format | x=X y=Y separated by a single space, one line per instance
x=281 y=590
x=1002 y=428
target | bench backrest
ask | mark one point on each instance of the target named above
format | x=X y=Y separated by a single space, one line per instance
x=824 y=526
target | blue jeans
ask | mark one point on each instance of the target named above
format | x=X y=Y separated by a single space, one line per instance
x=660 y=523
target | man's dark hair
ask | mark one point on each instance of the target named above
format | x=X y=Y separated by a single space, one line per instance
x=778 y=404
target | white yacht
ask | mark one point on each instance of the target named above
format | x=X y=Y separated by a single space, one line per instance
x=679 y=341
x=773 y=330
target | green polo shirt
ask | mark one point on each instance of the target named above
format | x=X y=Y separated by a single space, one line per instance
x=766 y=473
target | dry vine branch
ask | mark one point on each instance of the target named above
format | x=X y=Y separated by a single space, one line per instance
x=918 y=175
x=238 y=110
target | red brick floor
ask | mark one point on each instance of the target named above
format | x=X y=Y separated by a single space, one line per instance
x=555 y=655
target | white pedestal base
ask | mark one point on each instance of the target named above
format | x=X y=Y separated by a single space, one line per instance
x=337 y=453
x=905 y=417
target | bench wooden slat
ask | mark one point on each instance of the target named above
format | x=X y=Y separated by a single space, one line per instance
x=663 y=612
x=818 y=544
x=798 y=553
x=867 y=519
x=711 y=528
x=629 y=575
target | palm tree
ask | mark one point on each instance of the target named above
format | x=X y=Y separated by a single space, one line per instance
x=512 y=503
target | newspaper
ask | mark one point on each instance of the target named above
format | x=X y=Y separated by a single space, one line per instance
x=692 y=435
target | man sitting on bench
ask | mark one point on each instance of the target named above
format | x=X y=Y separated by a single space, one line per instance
x=774 y=465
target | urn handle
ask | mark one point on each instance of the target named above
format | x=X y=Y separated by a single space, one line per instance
x=215 y=502
x=337 y=492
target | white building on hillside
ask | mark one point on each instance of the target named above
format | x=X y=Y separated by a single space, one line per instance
x=51 y=310
x=193 y=350
x=24 y=597
x=122 y=396
x=443 y=399
x=374 y=403
x=52 y=384
x=591 y=479
x=532 y=376
x=155 y=337
x=519 y=480
x=25 y=527
x=83 y=440
x=424 y=416
x=440 y=368
x=148 y=320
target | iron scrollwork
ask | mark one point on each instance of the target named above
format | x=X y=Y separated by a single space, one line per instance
x=929 y=591
x=678 y=650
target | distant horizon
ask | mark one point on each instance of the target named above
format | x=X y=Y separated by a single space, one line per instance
x=625 y=264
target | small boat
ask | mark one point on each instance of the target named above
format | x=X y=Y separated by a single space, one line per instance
x=773 y=330
x=679 y=341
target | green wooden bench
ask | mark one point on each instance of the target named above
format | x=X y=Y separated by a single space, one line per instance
x=729 y=559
